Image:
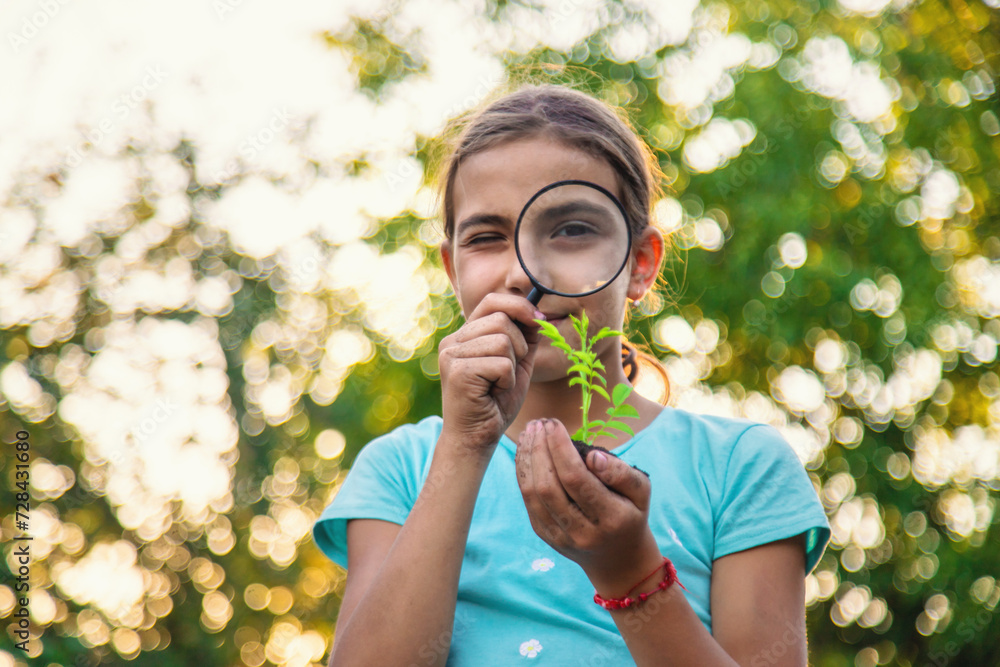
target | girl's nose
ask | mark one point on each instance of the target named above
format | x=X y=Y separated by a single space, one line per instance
x=517 y=280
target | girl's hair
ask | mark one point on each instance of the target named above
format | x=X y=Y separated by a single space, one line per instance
x=579 y=121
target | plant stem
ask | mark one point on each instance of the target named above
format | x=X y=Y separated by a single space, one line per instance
x=582 y=326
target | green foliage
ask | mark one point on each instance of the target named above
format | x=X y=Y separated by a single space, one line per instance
x=587 y=368
x=376 y=60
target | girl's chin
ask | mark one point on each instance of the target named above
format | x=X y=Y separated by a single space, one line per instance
x=550 y=365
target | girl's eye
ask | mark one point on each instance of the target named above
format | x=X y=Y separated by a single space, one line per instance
x=573 y=229
x=482 y=239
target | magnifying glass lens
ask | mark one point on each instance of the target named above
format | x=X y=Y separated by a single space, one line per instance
x=573 y=239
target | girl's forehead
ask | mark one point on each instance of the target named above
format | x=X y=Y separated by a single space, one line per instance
x=508 y=174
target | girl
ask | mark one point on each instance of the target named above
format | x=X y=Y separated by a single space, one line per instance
x=482 y=538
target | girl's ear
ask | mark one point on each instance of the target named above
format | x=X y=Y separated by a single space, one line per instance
x=449 y=266
x=646 y=267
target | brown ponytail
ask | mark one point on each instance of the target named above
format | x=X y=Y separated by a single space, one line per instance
x=633 y=359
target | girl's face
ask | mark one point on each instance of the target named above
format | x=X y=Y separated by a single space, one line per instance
x=489 y=192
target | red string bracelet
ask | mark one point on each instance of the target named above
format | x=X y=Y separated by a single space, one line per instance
x=669 y=578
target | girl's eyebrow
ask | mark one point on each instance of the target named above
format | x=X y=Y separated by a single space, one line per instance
x=573 y=207
x=484 y=220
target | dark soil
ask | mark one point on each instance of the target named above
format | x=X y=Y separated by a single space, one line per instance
x=585 y=449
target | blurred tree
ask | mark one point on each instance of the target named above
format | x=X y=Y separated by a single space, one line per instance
x=832 y=173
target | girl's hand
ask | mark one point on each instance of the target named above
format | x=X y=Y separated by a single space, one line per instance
x=486 y=369
x=594 y=514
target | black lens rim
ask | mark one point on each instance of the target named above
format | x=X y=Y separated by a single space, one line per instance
x=517 y=237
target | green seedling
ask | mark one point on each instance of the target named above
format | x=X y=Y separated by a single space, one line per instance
x=587 y=370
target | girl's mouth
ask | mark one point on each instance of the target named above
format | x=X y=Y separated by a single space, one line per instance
x=555 y=318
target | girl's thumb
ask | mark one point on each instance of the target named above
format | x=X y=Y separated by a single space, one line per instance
x=620 y=477
x=599 y=462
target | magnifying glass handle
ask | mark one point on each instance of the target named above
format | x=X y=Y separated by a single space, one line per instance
x=534 y=296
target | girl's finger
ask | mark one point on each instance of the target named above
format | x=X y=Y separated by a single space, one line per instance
x=516 y=308
x=538 y=514
x=522 y=461
x=497 y=324
x=551 y=527
x=490 y=345
x=594 y=499
x=621 y=477
x=549 y=489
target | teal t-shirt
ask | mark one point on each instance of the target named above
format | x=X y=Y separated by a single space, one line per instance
x=719 y=485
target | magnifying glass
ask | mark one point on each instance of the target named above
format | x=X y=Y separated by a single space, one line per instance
x=572 y=239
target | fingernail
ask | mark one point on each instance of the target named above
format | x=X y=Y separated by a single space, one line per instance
x=539 y=315
x=600 y=461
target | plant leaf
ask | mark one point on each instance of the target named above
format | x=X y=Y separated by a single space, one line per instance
x=621 y=426
x=580 y=326
x=549 y=331
x=597 y=389
x=624 y=410
x=620 y=393
x=605 y=333
x=564 y=346
x=578 y=380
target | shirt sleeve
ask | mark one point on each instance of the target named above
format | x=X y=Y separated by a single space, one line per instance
x=382 y=484
x=767 y=496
